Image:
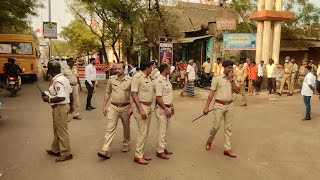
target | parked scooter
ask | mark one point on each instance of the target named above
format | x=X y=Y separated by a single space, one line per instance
x=203 y=80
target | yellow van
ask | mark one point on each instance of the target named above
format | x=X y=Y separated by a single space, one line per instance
x=22 y=48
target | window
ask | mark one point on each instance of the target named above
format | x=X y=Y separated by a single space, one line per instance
x=16 y=48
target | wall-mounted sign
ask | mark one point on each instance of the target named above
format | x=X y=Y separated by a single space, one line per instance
x=239 y=41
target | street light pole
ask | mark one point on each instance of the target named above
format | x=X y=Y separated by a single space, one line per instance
x=50 y=44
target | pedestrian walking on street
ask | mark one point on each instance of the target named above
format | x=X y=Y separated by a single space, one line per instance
x=261 y=71
x=118 y=91
x=222 y=89
x=60 y=98
x=271 y=76
x=295 y=69
x=90 y=77
x=318 y=80
x=242 y=74
x=302 y=73
x=253 y=76
x=308 y=88
x=142 y=92
x=191 y=77
x=164 y=109
x=71 y=72
x=286 y=77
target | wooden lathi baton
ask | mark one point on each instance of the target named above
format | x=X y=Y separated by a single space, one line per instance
x=200 y=116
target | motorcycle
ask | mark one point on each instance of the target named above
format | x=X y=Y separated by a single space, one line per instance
x=203 y=80
x=13 y=85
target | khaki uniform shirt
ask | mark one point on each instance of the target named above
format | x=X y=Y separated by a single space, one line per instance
x=288 y=67
x=154 y=74
x=295 y=68
x=164 y=89
x=143 y=85
x=119 y=90
x=222 y=87
x=71 y=74
x=302 y=71
x=242 y=73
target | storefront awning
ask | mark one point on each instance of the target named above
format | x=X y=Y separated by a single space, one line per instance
x=192 y=39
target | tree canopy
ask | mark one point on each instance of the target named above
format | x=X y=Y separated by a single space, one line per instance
x=15 y=13
x=80 y=37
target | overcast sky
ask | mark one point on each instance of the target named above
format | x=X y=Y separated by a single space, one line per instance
x=63 y=17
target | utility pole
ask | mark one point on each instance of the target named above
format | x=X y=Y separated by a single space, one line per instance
x=50 y=44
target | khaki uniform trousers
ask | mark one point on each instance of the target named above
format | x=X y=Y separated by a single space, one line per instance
x=293 y=79
x=76 y=101
x=113 y=115
x=143 y=129
x=286 y=78
x=61 y=142
x=222 y=112
x=163 y=128
x=243 y=93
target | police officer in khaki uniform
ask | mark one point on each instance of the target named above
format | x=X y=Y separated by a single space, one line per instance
x=142 y=92
x=222 y=89
x=286 y=78
x=70 y=71
x=240 y=79
x=302 y=73
x=155 y=72
x=295 y=69
x=118 y=91
x=164 y=109
x=60 y=98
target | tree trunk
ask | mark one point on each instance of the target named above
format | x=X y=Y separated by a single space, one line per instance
x=166 y=33
x=104 y=52
x=113 y=45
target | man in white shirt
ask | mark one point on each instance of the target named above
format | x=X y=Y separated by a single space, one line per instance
x=191 y=74
x=271 y=75
x=260 y=75
x=60 y=98
x=90 y=77
x=318 y=79
x=308 y=88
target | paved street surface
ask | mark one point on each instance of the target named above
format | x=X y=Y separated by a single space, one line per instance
x=269 y=137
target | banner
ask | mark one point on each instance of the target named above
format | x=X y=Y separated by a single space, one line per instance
x=239 y=41
x=166 y=50
x=101 y=73
x=50 y=30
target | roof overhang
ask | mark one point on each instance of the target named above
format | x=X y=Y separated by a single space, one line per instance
x=192 y=39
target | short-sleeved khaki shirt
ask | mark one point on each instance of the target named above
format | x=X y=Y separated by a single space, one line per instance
x=119 y=90
x=222 y=87
x=71 y=74
x=164 y=89
x=288 y=68
x=143 y=85
x=242 y=73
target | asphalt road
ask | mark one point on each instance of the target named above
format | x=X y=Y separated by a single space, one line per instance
x=269 y=137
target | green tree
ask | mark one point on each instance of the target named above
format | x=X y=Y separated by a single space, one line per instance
x=62 y=48
x=14 y=15
x=80 y=37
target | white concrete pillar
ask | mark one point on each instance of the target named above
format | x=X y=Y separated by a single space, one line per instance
x=266 y=33
x=259 y=40
x=277 y=34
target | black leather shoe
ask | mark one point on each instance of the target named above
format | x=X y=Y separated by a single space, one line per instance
x=88 y=108
x=92 y=107
x=306 y=119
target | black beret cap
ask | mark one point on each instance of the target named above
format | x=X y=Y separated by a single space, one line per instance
x=227 y=63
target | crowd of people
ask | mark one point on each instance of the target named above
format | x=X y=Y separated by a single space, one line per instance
x=150 y=89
